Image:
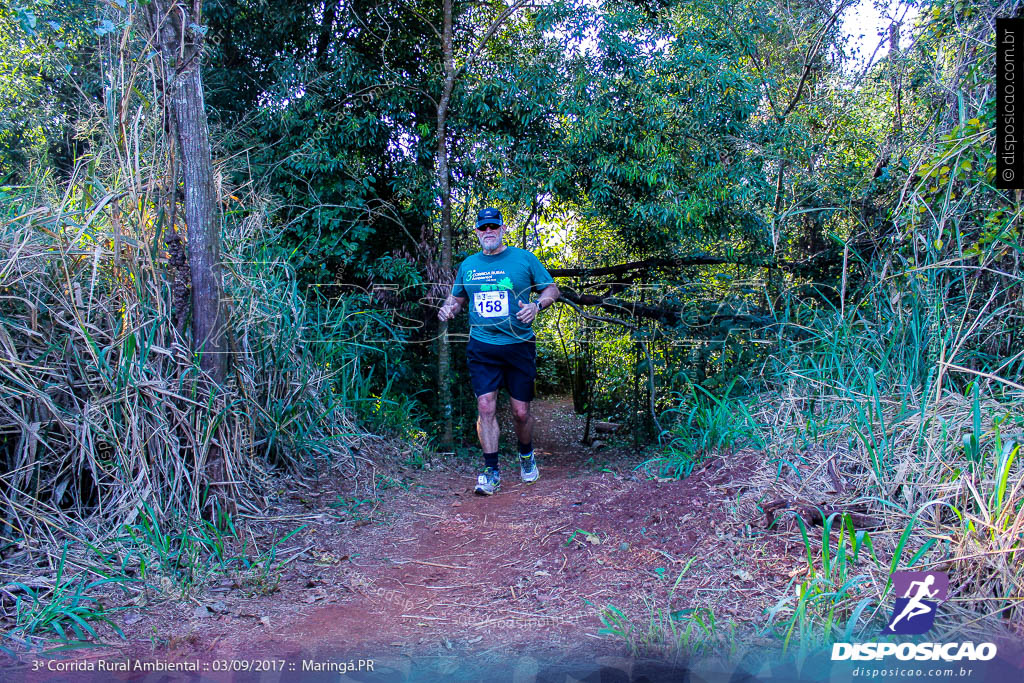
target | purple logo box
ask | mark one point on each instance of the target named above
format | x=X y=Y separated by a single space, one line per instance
x=918 y=595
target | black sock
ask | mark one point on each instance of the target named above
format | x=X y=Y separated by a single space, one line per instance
x=491 y=460
x=525 y=448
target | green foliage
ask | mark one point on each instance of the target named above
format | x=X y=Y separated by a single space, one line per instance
x=185 y=555
x=581 y=535
x=65 y=613
x=657 y=110
x=384 y=482
x=875 y=290
x=827 y=603
x=400 y=415
x=913 y=374
x=674 y=633
x=47 y=61
x=299 y=368
x=181 y=554
x=703 y=426
x=352 y=509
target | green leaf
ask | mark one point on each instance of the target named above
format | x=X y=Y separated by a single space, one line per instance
x=105 y=26
x=27 y=19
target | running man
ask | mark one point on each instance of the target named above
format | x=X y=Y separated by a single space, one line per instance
x=502 y=350
x=915 y=607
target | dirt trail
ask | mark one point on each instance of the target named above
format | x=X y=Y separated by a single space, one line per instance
x=441 y=571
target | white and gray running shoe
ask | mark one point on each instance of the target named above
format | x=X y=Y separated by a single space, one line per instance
x=488 y=482
x=528 y=471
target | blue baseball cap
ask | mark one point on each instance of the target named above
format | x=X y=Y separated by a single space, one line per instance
x=488 y=216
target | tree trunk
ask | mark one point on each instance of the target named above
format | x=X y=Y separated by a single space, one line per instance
x=444 y=183
x=177 y=35
x=180 y=47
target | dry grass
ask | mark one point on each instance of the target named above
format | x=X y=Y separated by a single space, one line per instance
x=106 y=423
x=101 y=404
x=964 y=517
x=104 y=427
x=909 y=409
x=906 y=401
x=100 y=393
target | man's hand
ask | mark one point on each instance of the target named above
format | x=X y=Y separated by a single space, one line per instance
x=449 y=310
x=527 y=312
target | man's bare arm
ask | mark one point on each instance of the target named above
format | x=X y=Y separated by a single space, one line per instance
x=452 y=306
x=549 y=296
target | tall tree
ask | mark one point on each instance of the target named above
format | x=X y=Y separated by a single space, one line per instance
x=179 y=35
x=444 y=186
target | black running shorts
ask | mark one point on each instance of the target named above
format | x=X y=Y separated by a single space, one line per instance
x=492 y=366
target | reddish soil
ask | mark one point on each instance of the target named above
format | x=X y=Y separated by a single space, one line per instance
x=437 y=570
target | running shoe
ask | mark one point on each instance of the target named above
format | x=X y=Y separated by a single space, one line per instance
x=528 y=471
x=488 y=482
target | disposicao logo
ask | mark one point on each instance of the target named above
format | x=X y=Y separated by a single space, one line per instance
x=921 y=652
x=918 y=597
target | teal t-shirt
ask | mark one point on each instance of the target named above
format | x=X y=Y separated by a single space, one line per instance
x=494 y=286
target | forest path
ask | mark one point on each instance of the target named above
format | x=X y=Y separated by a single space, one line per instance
x=437 y=571
x=530 y=568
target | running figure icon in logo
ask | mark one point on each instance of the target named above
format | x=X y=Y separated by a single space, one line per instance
x=920 y=593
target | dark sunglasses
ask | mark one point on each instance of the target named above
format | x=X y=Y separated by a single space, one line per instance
x=489 y=226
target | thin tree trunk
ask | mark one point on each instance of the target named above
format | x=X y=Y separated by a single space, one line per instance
x=179 y=41
x=651 y=391
x=586 y=354
x=444 y=182
x=180 y=47
x=451 y=73
x=208 y=339
x=635 y=406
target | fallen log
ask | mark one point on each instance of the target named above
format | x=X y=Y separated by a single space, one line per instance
x=607 y=427
x=815 y=515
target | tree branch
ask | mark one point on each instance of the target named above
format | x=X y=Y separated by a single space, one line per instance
x=633 y=309
x=663 y=262
x=489 y=33
x=811 y=54
x=705 y=324
x=598 y=318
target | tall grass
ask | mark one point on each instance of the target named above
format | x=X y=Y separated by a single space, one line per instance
x=106 y=424
x=702 y=425
x=921 y=423
x=66 y=610
x=676 y=634
x=907 y=395
x=928 y=442
x=911 y=396
x=100 y=399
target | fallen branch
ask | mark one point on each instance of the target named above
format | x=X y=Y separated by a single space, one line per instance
x=815 y=515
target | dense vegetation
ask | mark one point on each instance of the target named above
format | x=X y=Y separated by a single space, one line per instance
x=739 y=213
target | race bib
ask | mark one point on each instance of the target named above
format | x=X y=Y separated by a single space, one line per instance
x=491 y=304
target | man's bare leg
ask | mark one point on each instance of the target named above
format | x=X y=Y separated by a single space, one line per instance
x=524 y=432
x=487 y=429
x=487 y=421
x=523 y=420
